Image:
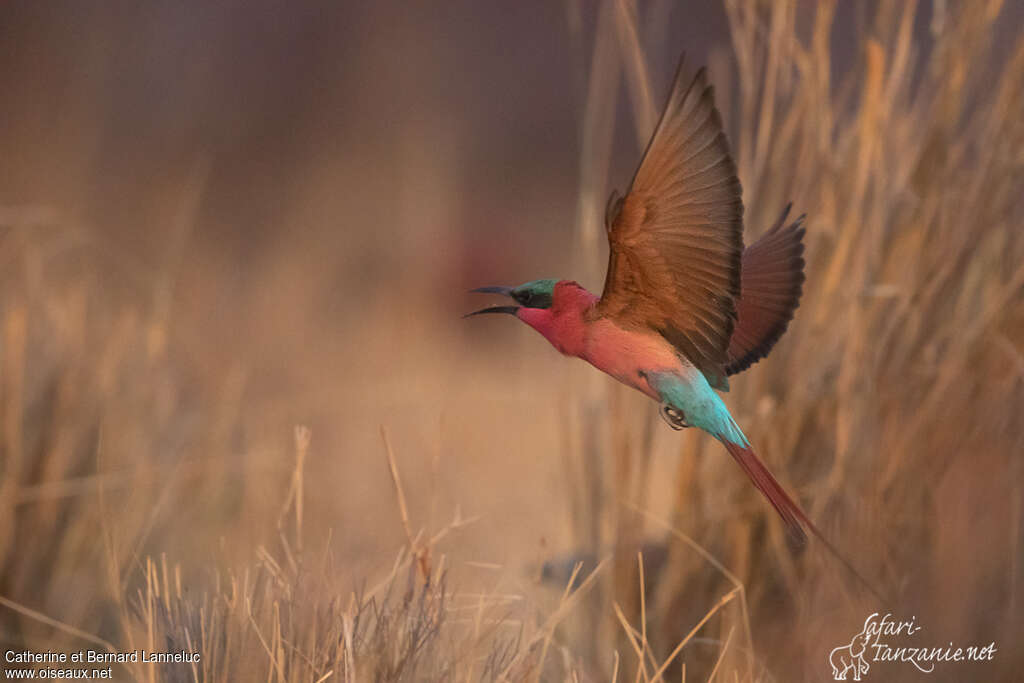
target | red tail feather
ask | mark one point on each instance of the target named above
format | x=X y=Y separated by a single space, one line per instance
x=791 y=513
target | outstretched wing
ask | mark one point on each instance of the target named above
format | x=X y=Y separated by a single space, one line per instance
x=772 y=277
x=676 y=238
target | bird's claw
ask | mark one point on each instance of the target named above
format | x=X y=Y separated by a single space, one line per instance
x=673 y=417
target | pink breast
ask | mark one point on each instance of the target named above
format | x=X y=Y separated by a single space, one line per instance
x=624 y=354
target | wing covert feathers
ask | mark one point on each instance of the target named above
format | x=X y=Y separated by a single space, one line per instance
x=676 y=238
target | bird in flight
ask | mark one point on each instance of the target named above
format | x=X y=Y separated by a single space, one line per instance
x=684 y=305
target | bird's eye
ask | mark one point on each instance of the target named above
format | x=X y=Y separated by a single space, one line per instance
x=524 y=298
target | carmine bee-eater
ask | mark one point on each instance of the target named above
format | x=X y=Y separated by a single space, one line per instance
x=684 y=304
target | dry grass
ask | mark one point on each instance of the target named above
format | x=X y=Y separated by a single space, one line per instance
x=145 y=504
x=893 y=405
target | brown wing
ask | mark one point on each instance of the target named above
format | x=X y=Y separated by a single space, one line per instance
x=675 y=239
x=772 y=277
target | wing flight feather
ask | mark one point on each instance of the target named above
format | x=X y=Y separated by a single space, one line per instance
x=676 y=238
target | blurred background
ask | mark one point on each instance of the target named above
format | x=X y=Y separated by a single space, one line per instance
x=219 y=221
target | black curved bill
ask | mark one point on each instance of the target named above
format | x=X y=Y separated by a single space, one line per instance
x=505 y=291
x=511 y=310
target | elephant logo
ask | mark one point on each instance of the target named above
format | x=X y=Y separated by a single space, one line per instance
x=847 y=658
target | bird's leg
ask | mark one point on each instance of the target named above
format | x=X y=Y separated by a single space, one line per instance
x=673 y=416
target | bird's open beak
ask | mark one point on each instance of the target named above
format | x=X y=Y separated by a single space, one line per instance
x=494 y=309
x=504 y=291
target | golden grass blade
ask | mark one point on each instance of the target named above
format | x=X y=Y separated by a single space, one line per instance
x=54 y=623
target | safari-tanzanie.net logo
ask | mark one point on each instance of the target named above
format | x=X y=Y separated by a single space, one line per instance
x=884 y=639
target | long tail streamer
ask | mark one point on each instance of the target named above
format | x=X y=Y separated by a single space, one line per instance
x=792 y=515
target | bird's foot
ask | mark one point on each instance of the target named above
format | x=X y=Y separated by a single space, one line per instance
x=673 y=416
